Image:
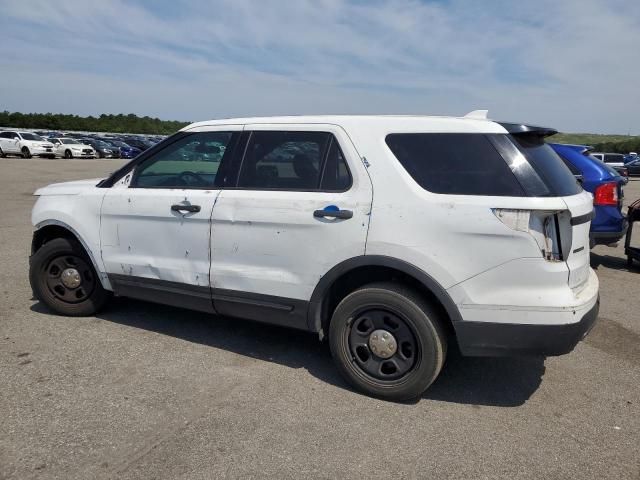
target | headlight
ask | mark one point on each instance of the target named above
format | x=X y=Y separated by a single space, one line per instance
x=106 y=150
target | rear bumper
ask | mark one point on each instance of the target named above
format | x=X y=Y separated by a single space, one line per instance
x=502 y=339
x=525 y=314
x=605 y=238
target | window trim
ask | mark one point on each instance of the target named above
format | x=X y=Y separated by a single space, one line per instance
x=235 y=135
x=247 y=137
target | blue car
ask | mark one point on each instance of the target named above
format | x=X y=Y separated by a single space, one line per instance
x=126 y=150
x=609 y=224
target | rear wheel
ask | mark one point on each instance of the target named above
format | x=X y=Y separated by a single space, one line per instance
x=387 y=341
x=63 y=278
x=26 y=153
x=68 y=154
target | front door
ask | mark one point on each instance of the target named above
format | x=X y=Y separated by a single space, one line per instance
x=299 y=206
x=155 y=230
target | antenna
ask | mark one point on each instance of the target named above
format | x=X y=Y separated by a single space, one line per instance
x=478 y=114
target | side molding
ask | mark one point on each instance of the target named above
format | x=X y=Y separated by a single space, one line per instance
x=314 y=317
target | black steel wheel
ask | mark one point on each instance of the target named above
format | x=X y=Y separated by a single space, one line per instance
x=387 y=341
x=63 y=278
x=382 y=344
x=26 y=153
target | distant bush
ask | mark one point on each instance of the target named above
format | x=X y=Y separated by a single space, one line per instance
x=104 y=123
x=626 y=146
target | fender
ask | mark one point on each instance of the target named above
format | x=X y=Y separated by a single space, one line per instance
x=104 y=280
x=314 y=314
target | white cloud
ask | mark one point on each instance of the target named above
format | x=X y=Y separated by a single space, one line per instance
x=571 y=64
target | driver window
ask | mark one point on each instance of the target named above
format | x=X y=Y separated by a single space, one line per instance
x=191 y=162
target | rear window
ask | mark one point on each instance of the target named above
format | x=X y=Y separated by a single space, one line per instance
x=551 y=169
x=455 y=163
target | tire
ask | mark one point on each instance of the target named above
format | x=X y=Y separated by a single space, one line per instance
x=26 y=153
x=46 y=270
x=415 y=328
x=2 y=154
x=68 y=154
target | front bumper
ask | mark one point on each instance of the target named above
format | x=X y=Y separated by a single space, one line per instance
x=487 y=339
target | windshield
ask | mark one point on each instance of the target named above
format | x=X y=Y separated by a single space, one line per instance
x=32 y=136
x=68 y=141
x=119 y=144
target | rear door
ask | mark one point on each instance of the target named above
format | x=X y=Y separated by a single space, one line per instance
x=299 y=205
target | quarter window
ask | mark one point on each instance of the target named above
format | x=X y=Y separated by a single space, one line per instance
x=191 y=162
x=454 y=163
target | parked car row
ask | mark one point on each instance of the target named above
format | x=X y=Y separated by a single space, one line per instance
x=627 y=165
x=57 y=144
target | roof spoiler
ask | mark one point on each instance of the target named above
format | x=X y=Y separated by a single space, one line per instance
x=521 y=129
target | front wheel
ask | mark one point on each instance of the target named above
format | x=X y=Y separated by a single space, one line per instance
x=2 y=154
x=63 y=278
x=26 y=153
x=68 y=154
x=387 y=341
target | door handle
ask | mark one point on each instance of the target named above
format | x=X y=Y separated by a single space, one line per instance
x=185 y=208
x=333 y=213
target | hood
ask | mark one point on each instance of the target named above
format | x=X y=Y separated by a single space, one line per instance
x=68 y=188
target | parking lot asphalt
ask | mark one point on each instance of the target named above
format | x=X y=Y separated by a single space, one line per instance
x=147 y=391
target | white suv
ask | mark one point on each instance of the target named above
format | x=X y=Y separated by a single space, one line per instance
x=26 y=144
x=394 y=236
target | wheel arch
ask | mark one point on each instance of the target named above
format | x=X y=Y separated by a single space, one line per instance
x=50 y=229
x=355 y=272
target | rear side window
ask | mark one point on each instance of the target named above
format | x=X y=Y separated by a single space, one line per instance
x=455 y=163
x=284 y=160
x=550 y=168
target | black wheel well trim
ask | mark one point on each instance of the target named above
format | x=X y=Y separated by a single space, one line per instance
x=320 y=293
x=104 y=280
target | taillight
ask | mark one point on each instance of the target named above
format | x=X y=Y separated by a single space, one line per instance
x=606 y=194
x=542 y=225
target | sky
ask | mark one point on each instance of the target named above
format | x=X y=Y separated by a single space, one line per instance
x=569 y=64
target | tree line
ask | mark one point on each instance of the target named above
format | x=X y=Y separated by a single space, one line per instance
x=624 y=146
x=120 y=123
